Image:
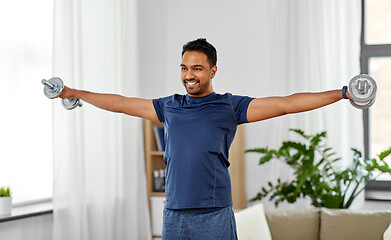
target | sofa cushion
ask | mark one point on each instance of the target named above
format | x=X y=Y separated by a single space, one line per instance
x=293 y=224
x=387 y=233
x=353 y=225
x=251 y=224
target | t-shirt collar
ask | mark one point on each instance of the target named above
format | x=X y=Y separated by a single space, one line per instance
x=206 y=98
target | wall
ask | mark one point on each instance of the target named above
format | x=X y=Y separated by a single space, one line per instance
x=32 y=228
x=233 y=27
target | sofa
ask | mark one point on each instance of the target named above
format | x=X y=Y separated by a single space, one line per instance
x=312 y=224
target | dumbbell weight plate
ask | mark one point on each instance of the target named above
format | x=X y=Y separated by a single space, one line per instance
x=58 y=86
x=356 y=94
x=363 y=105
x=70 y=103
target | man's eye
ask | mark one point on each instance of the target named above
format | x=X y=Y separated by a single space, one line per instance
x=197 y=69
x=183 y=68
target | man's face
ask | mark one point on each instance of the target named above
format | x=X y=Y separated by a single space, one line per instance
x=196 y=74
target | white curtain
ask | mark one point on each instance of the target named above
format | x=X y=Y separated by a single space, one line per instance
x=99 y=176
x=314 y=46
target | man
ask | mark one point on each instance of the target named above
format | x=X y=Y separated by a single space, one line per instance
x=199 y=129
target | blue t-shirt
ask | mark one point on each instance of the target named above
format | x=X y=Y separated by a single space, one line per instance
x=198 y=132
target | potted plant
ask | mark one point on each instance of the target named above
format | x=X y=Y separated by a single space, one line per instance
x=316 y=174
x=5 y=201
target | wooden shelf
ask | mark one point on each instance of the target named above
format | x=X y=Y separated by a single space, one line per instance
x=157 y=153
x=153 y=157
x=157 y=194
x=153 y=160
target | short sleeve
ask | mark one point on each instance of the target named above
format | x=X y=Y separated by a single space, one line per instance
x=240 y=106
x=159 y=105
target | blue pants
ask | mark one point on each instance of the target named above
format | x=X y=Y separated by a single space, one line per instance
x=199 y=224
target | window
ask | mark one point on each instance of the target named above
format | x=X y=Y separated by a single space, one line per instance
x=376 y=61
x=380 y=133
x=26 y=114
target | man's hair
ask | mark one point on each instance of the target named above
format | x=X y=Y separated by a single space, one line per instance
x=201 y=45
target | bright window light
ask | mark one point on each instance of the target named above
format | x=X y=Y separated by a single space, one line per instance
x=26 y=114
x=378 y=21
x=380 y=69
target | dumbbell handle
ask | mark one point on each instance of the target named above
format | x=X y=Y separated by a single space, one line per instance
x=47 y=83
x=362 y=87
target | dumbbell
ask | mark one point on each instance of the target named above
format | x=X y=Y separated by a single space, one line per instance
x=53 y=89
x=362 y=90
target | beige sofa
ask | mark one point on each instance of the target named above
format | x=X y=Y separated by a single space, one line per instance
x=311 y=224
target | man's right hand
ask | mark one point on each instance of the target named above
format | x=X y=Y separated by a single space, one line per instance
x=67 y=93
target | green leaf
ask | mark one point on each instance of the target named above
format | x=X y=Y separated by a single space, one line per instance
x=265 y=159
x=257 y=150
x=294 y=145
x=384 y=154
x=5 y=192
x=331 y=154
x=317 y=138
x=357 y=153
x=300 y=132
x=336 y=160
x=327 y=149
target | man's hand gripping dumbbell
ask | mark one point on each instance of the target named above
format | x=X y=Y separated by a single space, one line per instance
x=54 y=88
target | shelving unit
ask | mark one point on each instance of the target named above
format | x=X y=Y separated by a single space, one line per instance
x=153 y=157
x=154 y=161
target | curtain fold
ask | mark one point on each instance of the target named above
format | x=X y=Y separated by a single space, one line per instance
x=99 y=176
x=315 y=47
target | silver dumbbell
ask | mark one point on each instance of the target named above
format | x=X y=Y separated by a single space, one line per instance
x=362 y=89
x=53 y=89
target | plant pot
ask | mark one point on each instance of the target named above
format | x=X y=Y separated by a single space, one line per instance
x=5 y=205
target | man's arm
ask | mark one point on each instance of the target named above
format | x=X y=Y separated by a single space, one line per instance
x=115 y=103
x=270 y=107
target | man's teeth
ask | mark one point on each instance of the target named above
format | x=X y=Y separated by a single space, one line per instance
x=191 y=83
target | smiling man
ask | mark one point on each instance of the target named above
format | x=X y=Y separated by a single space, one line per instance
x=199 y=129
x=197 y=72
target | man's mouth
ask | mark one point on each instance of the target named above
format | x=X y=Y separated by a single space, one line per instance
x=192 y=83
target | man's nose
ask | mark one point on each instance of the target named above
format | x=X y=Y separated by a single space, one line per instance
x=189 y=75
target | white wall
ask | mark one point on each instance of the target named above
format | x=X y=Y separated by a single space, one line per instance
x=32 y=228
x=233 y=27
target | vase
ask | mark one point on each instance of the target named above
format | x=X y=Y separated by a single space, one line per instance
x=5 y=205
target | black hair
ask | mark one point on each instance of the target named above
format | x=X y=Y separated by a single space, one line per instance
x=201 y=45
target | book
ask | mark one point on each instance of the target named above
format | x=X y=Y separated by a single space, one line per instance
x=159 y=180
x=159 y=136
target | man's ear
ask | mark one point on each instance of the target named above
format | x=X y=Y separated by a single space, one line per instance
x=213 y=71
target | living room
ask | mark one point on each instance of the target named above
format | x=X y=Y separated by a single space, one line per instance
x=86 y=165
